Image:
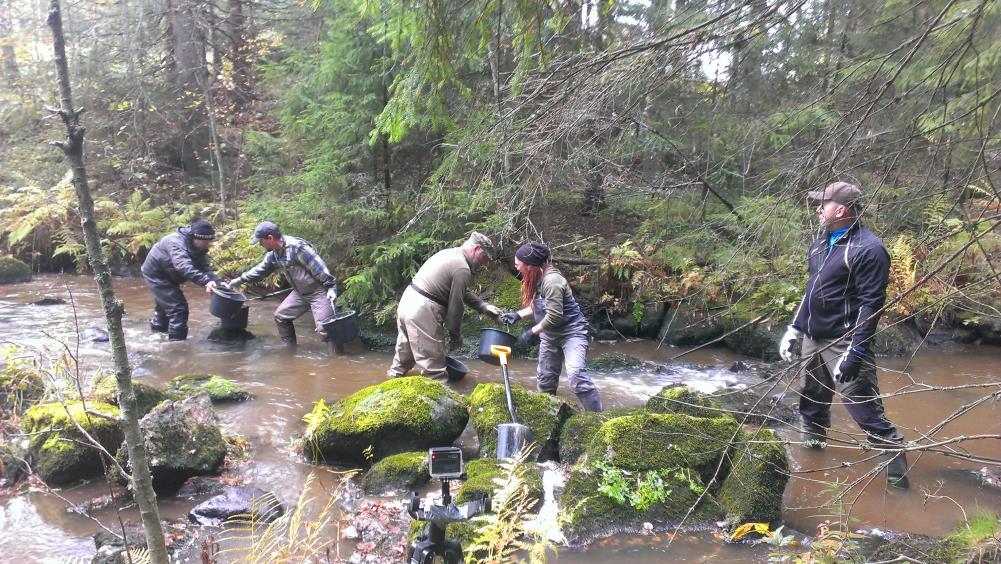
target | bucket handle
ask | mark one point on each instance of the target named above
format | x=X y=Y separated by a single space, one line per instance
x=501 y=352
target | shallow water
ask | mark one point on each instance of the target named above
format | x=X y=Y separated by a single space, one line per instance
x=36 y=526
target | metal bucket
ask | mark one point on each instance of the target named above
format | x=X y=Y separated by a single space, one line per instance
x=226 y=303
x=489 y=337
x=342 y=328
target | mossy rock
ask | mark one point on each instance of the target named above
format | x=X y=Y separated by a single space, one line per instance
x=20 y=388
x=896 y=339
x=147 y=397
x=653 y=441
x=481 y=475
x=62 y=455
x=182 y=440
x=13 y=270
x=922 y=548
x=750 y=407
x=399 y=415
x=758 y=340
x=752 y=492
x=404 y=471
x=11 y=465
x=613 y=361
x=587 y=514
x=581 y=427
x=683 y=400
x=218 y=388
x=544 y=414
x=688 y=325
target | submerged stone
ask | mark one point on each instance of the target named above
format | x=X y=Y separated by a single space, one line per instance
x=544 y=414
x=61 y=454
x=219 y=389
x=752 y=492
x=182 y=440
x=239 y=504
x=20 y=388
x=13 y=270
x=613 y=361
x=404 y=471
x=147 y=397
x=48 y=301
x=399 y=415
x=230 y=335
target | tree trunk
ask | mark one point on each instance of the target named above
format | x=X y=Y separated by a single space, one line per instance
x=187 y=57
x=242 y=79
x=8 y=58
x=142 y=482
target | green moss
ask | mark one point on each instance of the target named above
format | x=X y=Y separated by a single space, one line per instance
x=507 y=294
x=13 y=270
x=219 y=389
x=544 y=414
x=978 y=527
x=399 y=415
x=147 y=397
x=580 y=428
x=61 y=453
x=681 y=399
x=613 y=361
x=403 y=471
x=587 y=514
x=752 y=492
x=482 y=475
x=20 y=388
x=654 y=441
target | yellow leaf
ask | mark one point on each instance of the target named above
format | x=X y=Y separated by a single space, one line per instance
x=748 y=528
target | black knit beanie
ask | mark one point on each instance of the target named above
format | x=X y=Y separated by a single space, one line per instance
x=534 y=254
x=202 y=229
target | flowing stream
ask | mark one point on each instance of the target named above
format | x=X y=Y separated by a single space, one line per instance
x=36 y=526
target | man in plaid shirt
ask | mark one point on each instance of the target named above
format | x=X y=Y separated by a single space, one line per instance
x=313 y=287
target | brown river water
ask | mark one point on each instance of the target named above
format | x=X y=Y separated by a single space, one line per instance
x=36 y=526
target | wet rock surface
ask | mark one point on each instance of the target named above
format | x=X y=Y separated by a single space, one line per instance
x=147 y=396
x=13 y=270
x=239 y=503
x=219 y=389
x=111 y=546
x=61 y=455
x=48 y=301
x=403 y=471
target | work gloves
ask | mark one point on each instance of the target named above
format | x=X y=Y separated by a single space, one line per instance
x=848 y=365
x=524 y=341
x=510 y=317
x=332 y=296
x=234 y=283
x=788 y=342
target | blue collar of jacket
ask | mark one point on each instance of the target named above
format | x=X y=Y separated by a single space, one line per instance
x=833 y=236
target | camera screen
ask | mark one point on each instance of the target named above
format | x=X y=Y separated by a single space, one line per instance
x=445 y=462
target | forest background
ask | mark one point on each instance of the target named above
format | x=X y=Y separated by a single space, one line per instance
x=663 y=148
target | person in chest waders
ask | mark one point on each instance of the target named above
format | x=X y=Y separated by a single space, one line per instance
x=313 y=287
x=559 y=323
x=173 y=260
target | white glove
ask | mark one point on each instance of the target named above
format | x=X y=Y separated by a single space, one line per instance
x=234 y=283
x=332 y=296
x=788 y=340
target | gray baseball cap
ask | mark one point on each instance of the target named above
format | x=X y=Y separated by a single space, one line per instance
x=484 y=242
x=264 y=229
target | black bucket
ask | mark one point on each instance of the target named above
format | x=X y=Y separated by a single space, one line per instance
x=226 y=304
x=238 y=321
x=455 y=368
x=342 y=328
x=494 y=337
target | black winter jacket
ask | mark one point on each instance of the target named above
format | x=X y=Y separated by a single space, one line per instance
x=174 y=259
x=846 y=287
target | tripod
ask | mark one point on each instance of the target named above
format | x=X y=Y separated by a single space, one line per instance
x=433 y=542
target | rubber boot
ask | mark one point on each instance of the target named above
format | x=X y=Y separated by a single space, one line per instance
x=813 y=436
x=155 y=326
x=590 y=400
x=287 y=332
x=896 y=469
x=177 y=333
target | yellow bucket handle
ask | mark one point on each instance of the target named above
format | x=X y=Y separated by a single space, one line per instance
x=501 y=352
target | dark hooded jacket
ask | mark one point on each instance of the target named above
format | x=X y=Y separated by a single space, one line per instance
x=174 y=259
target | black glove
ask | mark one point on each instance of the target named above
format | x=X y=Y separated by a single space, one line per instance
x=510 y=317
x=848 y=366
x=524 y=340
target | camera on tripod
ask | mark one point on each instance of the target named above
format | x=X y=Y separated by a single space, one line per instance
x=445 y=464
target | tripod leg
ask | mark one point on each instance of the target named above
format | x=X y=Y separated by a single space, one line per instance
x=453 y=552
x=421 y=552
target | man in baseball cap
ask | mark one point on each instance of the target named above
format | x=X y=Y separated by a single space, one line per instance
x=264 y=229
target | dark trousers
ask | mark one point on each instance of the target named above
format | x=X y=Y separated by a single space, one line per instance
x=860 y=396
x=170 y=312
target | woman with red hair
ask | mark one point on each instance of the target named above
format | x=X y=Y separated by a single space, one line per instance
x=559 y=323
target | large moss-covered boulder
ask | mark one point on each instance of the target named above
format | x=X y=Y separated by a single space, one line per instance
x=683 y=400
x=404 y=471
x=688 y=325
x=400 y=415
x=20 y=388
x=13 y=270
x=653 y=441
x=147 y=397
x=482 y=475
x=757 y=340
x=61 y=454
x=587 y=512
x=544 y=414
x=219 y=389
x=581 y=427
x=182 y=440
x=752 y=492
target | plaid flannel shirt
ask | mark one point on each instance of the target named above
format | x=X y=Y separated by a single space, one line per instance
x=295 y=253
